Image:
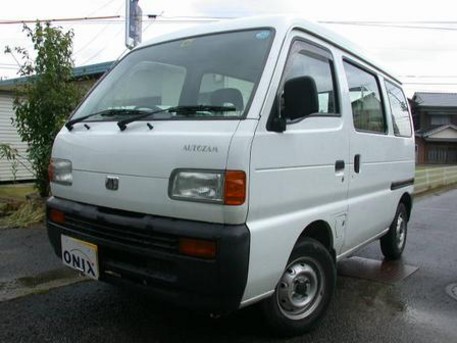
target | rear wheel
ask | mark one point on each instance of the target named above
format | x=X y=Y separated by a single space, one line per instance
x=304 y=291
x=393 y=243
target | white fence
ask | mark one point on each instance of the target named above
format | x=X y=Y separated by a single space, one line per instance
x=434 y=177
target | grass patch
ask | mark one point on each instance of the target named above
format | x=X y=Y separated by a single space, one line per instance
x=20 y=206
x=28 y=213
x=16 y=192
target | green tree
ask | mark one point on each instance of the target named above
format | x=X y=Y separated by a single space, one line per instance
x=43 y=103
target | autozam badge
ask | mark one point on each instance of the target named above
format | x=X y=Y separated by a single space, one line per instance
x=112 y=183
x=200 y=148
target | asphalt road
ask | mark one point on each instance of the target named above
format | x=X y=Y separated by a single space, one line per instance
x=413 y=309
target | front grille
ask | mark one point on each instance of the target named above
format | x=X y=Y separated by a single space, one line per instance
x=137 y=268
x=136 y=237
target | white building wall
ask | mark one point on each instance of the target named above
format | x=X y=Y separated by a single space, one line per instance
x=445 y=134
x=9 y=135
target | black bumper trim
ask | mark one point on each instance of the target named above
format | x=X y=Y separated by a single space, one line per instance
x=142 y=249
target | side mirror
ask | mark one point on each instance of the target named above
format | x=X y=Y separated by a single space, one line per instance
x=276 y=122
x=300 y=98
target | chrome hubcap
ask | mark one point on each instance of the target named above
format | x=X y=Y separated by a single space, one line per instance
x=401 y=231
x=300 y=290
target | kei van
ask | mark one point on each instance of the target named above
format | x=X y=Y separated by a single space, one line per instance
x=235 y=163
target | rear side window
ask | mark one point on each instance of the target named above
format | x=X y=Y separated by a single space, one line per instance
x=365 y=98
x=399 y=109
x=307 y=59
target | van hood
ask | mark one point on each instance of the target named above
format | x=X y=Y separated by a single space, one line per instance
x=140 y=151
x=142 y=159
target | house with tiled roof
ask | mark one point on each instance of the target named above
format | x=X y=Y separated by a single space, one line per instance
x=435 y=117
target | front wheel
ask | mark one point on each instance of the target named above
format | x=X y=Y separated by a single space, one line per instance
x=304 y=291
x=393 y=242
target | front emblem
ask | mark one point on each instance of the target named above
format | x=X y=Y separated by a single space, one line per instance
x=112 y=183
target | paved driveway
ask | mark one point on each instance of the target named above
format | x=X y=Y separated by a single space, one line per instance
x=407 y=302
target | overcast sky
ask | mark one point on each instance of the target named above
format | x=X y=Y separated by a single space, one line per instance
x=417 y=41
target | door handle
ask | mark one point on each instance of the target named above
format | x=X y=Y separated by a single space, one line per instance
x=339 y=165
x=357 y=163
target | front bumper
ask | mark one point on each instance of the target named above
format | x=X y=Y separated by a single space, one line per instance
x=135 y=248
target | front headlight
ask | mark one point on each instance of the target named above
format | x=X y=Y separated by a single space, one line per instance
x=216 y=186
x=197 y=185
x=60 y=171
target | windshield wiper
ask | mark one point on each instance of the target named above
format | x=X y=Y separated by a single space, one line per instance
x=109 y=112
x=185 y=108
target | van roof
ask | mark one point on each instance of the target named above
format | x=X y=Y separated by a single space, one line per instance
x=282 y=24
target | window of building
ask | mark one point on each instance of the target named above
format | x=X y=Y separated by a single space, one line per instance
x=440 y=120
x=366 y=101
x=399 y=110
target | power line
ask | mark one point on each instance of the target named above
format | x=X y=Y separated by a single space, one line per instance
x=113 y=19
x=429 y=76
x=153 y=18
x=389 y=25
x=97 y=35
x=98 y=52
x=398 y=24
x=109 y=2
x=388 y=22
x=197 y=17
x=9 y=67
x=9 y=22
x=431 y=83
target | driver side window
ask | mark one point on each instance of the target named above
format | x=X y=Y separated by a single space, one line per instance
x=314 y=63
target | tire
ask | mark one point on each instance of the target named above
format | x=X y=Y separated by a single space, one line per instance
x=394 y=241
x=312 y=273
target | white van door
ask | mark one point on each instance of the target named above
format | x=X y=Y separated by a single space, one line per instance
x=299 y=175
x=371 y=206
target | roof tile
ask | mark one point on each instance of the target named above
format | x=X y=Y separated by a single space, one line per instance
x=436 y=99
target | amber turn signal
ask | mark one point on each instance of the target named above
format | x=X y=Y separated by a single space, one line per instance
x=197 y=248
x=57 y=216
x=235 y=187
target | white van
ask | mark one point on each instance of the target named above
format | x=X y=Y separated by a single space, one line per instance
x=235 y=163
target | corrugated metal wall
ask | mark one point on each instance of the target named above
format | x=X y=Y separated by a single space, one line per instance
x=9 y=135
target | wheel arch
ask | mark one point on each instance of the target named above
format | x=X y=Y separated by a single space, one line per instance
x=320 y=231
x=296 y=317
x=407 y=200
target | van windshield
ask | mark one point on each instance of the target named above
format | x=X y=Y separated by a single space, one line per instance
x=208 y=73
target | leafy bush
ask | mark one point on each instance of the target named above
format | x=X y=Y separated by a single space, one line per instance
x=44 y=103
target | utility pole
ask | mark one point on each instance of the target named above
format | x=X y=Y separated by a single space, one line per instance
x=133 y=23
